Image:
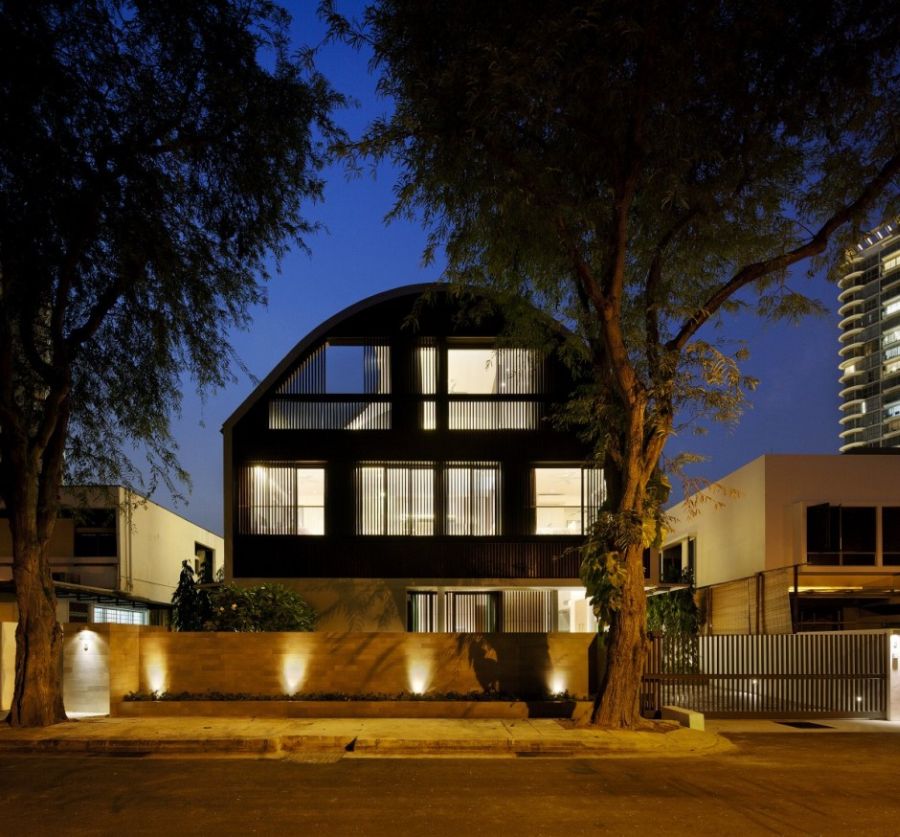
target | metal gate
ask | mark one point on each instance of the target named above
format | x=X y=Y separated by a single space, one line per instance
x=784 y=675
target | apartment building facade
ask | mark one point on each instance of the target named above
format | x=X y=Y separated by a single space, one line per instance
x=870 y=342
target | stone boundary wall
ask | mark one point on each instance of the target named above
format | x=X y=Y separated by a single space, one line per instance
x=103 y=663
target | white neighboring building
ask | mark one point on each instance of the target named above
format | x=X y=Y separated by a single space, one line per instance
x=870 y=342
x=795 y=543
x=115 y=556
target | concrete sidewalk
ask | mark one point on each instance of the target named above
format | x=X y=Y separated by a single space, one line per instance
x=257 y=737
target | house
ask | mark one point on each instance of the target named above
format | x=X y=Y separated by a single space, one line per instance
x=115 y=556
x=400 y=470
x=792 y=543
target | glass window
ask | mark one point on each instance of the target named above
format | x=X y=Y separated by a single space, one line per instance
x=566 y=500
x=493 y=371
x=840 y=535
x=472 y=612
x=421 y=611
x=281 y=500
x=395 y=499
x=357 y=369
x=120 y=616
x=426 y=384
x=472 y=371
x=890 y=535
x=670 y=566
x=472 y=493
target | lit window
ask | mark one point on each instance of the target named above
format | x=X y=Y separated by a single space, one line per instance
x=472 y=493
x=498 y=372
x=492 y=371
x=892 y=307
x=361 y=370
x=395 y=499
x=426 y=384
x=120 y=616
x=890 y=262
x=281 y=500
x=566 y=500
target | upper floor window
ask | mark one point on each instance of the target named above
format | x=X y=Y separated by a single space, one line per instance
x=676 y=562
x=890 y=536
x=360 y=371
x=492 y=371
x=890 y=262
x=398 y=498
x=281 y=500
x=472 y=495
x=840 y=535
x=395 y=499
x=566 y=500
x=95 y=533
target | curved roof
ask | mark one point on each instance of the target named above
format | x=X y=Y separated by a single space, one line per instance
x=315 y=336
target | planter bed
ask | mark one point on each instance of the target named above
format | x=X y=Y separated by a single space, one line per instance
x=511 y=710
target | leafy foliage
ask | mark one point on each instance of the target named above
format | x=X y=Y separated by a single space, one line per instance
x=344 y=697
x=639 y=169
x=269 y=607
x=171 y=146
x=154 y=155
x=190 y=603
x=675 y=617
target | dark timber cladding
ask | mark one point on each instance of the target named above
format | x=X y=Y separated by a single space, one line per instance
x=377 y=450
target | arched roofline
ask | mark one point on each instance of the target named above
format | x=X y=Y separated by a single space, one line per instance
x=321 y=331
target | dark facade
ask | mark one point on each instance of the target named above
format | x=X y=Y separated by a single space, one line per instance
x=404 y=456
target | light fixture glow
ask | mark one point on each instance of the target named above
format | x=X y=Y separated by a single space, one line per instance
x=292 y=673
x=419 y=673
x=156 y=674
x=557 y=683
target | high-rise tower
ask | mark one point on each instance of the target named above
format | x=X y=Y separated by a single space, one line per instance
x=870 y=342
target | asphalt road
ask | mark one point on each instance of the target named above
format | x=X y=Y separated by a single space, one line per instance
x=776 y=784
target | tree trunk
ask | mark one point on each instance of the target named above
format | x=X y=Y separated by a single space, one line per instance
x=38 y=697
x=618 y=701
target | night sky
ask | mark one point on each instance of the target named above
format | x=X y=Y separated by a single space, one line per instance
x=794 y=410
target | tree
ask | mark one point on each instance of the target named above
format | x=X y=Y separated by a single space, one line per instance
x=153 y=156
x=190 y=603
x=269 y=607
x=639 y=168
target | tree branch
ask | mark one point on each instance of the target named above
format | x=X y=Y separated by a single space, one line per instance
x=651 y=287
x=815 y=245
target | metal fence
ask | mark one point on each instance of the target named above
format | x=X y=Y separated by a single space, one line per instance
x=787 y=675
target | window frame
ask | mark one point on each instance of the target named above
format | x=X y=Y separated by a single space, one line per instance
x=248 y=491
x=588 y=512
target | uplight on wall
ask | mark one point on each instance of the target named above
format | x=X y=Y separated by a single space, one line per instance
x=293 y=670
x=419 y=674
x=156 y=674
x=557 y=683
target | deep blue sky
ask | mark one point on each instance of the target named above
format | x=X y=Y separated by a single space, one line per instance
x=795 y=409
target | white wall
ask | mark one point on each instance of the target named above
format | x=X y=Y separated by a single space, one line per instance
x=763 y=528
x=153 y=542
x=729 y=526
